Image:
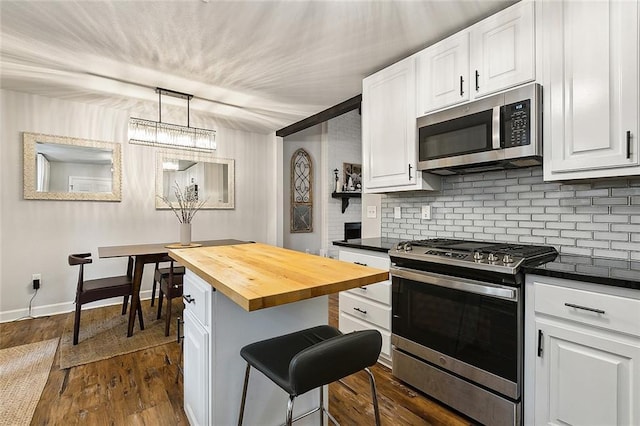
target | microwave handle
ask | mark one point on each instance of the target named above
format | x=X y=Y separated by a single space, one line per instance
x=495 y=128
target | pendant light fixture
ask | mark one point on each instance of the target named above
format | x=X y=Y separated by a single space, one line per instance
x=157 y=133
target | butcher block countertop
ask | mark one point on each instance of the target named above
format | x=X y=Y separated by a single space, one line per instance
x=257 y=276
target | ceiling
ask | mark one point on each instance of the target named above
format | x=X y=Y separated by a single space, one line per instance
x=251 y=65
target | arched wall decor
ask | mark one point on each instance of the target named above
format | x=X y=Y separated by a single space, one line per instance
x=301 y=192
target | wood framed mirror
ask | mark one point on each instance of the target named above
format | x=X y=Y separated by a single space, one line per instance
x=64 y=168
x=211 y=178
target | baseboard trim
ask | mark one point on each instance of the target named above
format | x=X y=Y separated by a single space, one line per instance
x=60 y=308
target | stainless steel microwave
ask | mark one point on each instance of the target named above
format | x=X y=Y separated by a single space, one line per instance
x=498 y=132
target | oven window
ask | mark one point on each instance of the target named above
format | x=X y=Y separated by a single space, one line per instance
x=463 y=135
x=479 y=330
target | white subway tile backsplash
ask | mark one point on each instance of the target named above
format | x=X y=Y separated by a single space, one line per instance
x=600 y=218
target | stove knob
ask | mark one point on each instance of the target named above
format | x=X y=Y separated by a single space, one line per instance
x=408 y=247
x=507 y=258
x=492 y=257
x=400 y=247
x=478 y=256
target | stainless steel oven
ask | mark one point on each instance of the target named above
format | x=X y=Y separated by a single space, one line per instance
x=457 y=327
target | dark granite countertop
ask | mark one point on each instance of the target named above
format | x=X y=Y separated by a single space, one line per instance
x=598 y=270
x=374 y=244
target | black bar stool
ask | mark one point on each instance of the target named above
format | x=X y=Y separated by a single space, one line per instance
x=307 y=359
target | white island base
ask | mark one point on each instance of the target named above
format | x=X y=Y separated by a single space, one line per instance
x=215 y=329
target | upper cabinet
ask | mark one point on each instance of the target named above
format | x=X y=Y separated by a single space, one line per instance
x=443 y=74
x=493 y=55
x=591 y=89
x=389 y=140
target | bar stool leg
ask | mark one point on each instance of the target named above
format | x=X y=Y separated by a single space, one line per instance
x=321 y=405
x=290 y=410
x=244 y=394
x=374 y=396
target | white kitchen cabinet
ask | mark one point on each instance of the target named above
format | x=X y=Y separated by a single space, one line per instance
x=389 y=133
x=591 y=89
x=503 y=50
x=442 y=73
x=196 y=370
x=197 y=335
x=582 y=353
x=215 y=329
x=492 y=55
x=367 y=307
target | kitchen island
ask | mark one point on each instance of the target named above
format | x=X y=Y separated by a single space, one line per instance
x=238 y=294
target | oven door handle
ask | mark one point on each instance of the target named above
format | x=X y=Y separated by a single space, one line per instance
x=456 y=283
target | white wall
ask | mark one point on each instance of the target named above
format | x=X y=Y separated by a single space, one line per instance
x=345 y=146
x=311 y=140
x=37 y=236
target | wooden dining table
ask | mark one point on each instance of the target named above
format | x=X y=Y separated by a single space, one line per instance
x=149 y=253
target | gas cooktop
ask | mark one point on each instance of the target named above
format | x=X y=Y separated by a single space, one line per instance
x=498 y=257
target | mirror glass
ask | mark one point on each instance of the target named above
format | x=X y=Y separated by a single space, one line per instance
x=209 y=178
x=61 y=168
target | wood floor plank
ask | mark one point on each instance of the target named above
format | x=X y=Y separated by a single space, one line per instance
x=140 y=388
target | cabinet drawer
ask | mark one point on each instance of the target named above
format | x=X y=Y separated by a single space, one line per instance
x=380 y=262
x=603 y=310
x=380 y=292
x=366 y=310
x=199 y=292
x=349 y=324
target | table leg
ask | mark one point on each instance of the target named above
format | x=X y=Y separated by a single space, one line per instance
x=135 y=297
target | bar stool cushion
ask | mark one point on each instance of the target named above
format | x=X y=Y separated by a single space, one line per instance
x=301 y=361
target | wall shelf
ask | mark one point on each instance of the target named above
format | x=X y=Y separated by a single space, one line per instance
x=345 y=197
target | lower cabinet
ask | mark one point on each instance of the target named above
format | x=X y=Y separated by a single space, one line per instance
x=197 y=335
x=196 y=370
x=215 y=329
x=368 y=307
x=582 y=353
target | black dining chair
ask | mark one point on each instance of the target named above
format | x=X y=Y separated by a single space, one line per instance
x=100 y=288
x=308 y=359
x=160 y=272
x=171 y=287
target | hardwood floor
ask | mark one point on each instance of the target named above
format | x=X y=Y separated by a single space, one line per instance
x=139 y=388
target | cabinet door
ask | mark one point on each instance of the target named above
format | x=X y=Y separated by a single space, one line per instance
x=442 y=72
x=503 y=50
x=196 y=371
x=592 y=89
x=585 y=378
x=389 y=126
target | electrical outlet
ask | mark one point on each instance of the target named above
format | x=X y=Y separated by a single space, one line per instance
x=371 y=212
x=397 y=213
x=426 y=213
x=35 y=281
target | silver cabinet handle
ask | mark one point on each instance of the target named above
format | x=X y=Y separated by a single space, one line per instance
x=363 y=288
x=179 y=336
x=187 y=298
x=585 y=308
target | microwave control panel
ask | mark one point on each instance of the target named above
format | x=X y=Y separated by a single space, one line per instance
x=516 y=124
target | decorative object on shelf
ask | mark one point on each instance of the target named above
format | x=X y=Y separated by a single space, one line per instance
x=352 y=177
x=338 y=187
x=187 y=207
x=301 y=192
x=157 y=133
